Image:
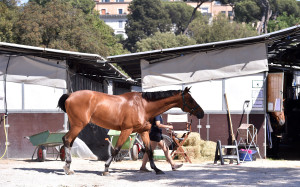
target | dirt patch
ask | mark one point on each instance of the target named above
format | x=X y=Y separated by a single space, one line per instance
x=24 y=172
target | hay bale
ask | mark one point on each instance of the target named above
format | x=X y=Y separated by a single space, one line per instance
x=208 y=148
x=198 y=149
x=193 y=152
x=192 y=140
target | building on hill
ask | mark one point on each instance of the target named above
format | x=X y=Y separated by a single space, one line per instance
x=114 y=12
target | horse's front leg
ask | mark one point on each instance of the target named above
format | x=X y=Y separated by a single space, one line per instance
x=121 y=140
x=149 y=151
x=68 y=141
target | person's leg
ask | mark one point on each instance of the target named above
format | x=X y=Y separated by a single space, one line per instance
x=165 y=149
x=174 y=166
x=145 y=157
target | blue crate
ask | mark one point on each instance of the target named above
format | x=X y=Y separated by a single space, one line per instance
x=246 y=156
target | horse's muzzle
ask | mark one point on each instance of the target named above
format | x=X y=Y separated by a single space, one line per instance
x=200 y=115
x=281 y=122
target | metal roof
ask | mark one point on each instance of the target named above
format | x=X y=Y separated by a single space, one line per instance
x=92 y=66
x=283 y=48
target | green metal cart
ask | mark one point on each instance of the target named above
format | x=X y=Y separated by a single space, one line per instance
x=131 y=147
x=45 y=140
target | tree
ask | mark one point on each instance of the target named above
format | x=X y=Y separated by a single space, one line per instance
x=163 y=40
x=220 y=29
x=290 y=7
x=8 y=16
x=262 y=10
x=58 y=25
x=86 y=6
x=180 y=14
x=283 y=21
x=266 y=14
x=145 y=18
x=247 y=11
x=39 y=2
x=199 y=3
x=230 y=3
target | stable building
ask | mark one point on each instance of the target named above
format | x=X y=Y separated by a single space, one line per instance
x=32 y=81
x=238 y=68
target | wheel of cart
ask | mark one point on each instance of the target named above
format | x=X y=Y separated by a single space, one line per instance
x=41 y=153
x=128 y=149
x=62 y=153
x=45 y=140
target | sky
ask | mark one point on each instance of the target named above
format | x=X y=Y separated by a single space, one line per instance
x=24 y=1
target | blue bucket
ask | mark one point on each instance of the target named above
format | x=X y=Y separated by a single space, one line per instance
x=246 y=156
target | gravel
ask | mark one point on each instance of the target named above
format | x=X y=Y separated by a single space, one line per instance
x=25 y=172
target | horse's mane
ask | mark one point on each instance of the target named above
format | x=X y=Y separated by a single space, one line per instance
x=153 y=96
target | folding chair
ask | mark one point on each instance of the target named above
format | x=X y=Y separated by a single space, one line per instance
x=178 y=150
x=248 y=138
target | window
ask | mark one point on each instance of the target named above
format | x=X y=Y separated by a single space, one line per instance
x=103 y=11
x=105 y=1
x=204 y=10
x=119 y=0
x=218 y=3
x=120 y=11
x=229 y=13
x=120 y=24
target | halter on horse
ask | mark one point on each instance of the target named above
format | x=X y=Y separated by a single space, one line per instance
x=128 y=113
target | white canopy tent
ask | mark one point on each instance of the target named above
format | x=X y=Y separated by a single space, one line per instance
x=33 y=70
x=205 y=66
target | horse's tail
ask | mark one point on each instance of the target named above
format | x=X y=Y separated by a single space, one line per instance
x=61 y=102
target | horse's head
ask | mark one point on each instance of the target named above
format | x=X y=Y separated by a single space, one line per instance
x=190 y=105
x=280 y=117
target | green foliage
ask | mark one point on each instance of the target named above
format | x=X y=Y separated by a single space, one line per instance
x=87 y=6
x=247 y=11
x=10 y=3
x=230 y=2
x=39 y=2
x=251 y=10
x=61 y=26
x=180 y=14
x=145 y=18
x=220 y=29
x=282 y=22
x=163 y=40
x=291 y=7
x=8 y=15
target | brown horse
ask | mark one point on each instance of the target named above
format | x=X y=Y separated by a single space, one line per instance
x=129 y=112
x=279 y=117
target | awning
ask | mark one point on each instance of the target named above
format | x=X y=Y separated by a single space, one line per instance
x=33 y=70
x=205 y=66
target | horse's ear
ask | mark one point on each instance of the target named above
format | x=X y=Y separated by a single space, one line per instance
x=187 y=90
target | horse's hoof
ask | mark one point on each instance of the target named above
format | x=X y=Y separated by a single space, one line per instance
x=105 y=173
x=159 y=172
x=68 y=171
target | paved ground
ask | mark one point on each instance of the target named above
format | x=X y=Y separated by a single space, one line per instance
x=24 y=172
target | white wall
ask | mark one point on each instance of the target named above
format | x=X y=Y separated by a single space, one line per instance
x=210 y=94
x=115 y=25
x=251 y=88
x=28 y=97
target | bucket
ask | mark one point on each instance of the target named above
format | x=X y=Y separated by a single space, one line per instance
x=246 y=156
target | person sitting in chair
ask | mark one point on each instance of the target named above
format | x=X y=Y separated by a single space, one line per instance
x=157 y=139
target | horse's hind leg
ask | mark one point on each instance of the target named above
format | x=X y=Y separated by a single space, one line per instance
x=68 y=140
x=121 y=140
x=148 y=150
